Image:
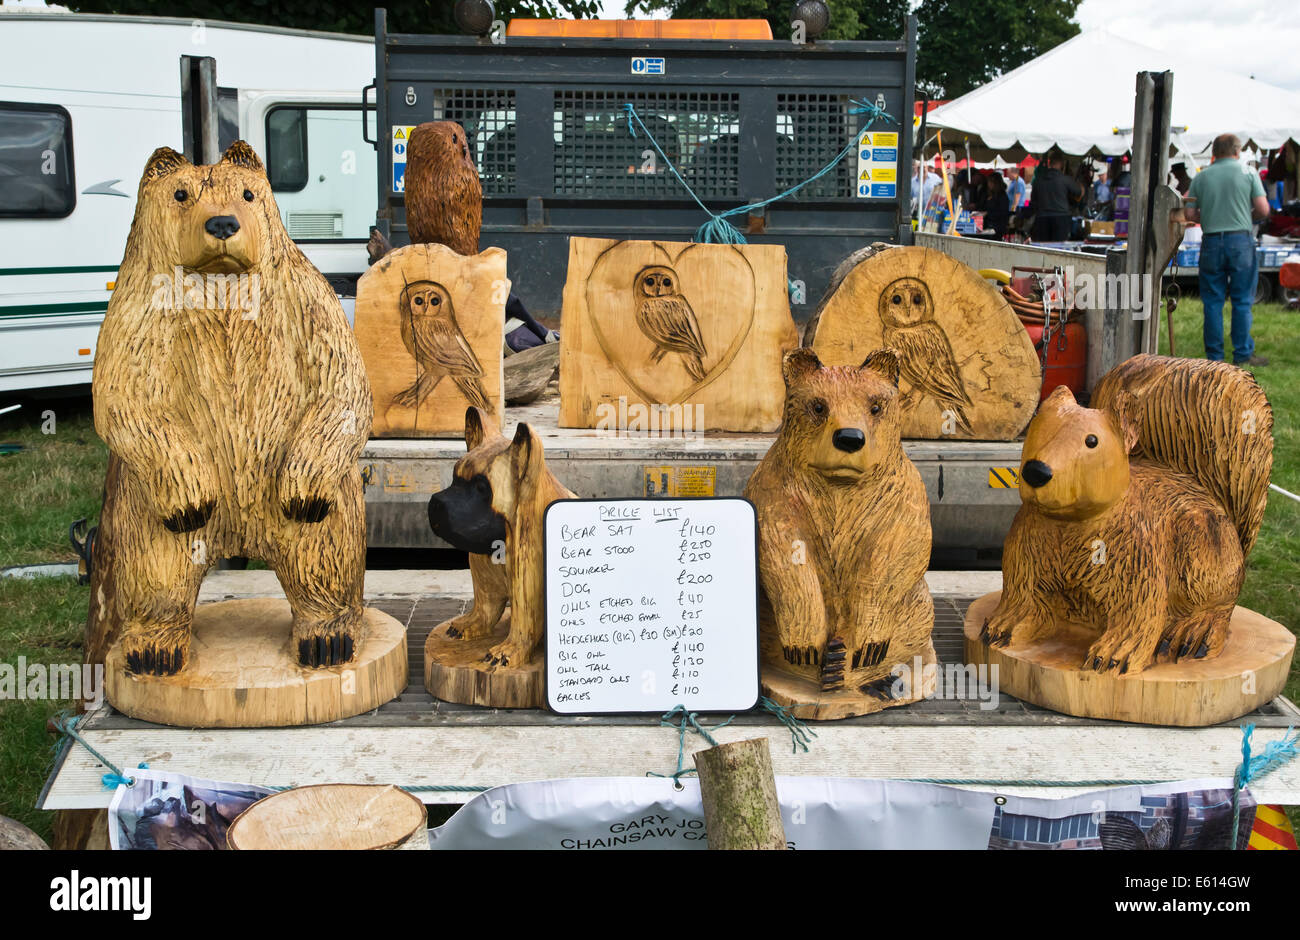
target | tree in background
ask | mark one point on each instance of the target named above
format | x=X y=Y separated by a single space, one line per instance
x=850 y=19
x=965 y=43
x=337 y=16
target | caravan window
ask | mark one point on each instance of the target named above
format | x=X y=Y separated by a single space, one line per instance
x=286 y=149
x=36 y=173
x=322 y=172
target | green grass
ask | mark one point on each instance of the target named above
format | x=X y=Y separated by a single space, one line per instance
x=59 y=477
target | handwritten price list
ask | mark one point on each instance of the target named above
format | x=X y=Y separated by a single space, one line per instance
x=651 y=604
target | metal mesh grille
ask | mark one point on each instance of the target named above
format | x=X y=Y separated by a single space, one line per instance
x=811 y=129
x=488 y=117
x=595 y=155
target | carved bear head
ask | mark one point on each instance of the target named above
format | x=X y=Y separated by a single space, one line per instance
x=476 y=511
x=217 y=219
x=1074 y=464
x=842 y=422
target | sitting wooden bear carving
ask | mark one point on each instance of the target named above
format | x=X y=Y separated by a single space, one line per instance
x=844 y=530
x=234 y=402
x=1150 y=549
x=495 y=509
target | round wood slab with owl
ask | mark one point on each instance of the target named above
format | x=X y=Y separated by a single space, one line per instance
x=968 y=369
x=429 y=322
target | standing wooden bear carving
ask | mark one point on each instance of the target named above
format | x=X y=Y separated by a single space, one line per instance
x=495 y=509
x=234 y=402
x=844 y=542
x=1137 y=516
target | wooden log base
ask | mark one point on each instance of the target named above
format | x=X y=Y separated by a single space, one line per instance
x=802 y=694
x=1251 y=670
x=243 y=672
x=454 y=671
x=346 y=816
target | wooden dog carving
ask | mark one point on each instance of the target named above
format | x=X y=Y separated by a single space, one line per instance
x=1137 y=516
x=844 y=531
x=494 y=509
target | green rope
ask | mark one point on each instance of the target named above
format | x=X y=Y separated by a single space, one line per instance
x=800 y=733
x=686 y=721
x=717 y=228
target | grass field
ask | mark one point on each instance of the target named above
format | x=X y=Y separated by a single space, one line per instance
x=58 y=476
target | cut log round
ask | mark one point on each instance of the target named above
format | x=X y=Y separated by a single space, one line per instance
x=738 y=789
x=333 y=816
x=455 y=671
x=15 y=836
x=1251 y=671
x=244 y=673
x=968 y=368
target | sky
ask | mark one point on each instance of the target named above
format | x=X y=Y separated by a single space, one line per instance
x=1250 y=37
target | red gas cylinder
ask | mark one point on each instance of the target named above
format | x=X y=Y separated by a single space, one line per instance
x=1065 y=360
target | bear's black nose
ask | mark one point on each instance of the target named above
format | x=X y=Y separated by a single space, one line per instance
x=221 y=226
x=848 y=440
x=1036 y=473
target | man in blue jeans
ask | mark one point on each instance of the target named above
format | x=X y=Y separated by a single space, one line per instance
x=1227 y=199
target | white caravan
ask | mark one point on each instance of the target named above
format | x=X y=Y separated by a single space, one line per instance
x=85 y=99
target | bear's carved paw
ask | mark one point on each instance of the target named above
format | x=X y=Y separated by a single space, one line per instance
x=994 y=636
x=190 y=518
x=882 y=688
x=872 y=654
x=332 y=643
x=310 y=509
x=802 y=655
x=1119 y=654
x=161 y=653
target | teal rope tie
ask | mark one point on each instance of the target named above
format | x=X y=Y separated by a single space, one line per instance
x=1276 y=753
x=800 y=734
x=685 y=721
x=717 y=229
x=67 y=725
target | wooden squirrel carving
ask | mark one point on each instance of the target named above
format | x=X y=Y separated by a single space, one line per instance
x=844 y=528
x=495 y=509
x=234 y=402
x=1137 y=515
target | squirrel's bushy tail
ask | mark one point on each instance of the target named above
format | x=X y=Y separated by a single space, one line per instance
x=1207 y=419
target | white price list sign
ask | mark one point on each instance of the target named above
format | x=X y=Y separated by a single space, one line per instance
x=650 y=604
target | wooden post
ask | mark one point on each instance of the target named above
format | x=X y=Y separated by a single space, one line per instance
x=739 y=794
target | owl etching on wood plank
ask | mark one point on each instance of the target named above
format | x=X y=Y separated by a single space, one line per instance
x=926 y=360
x=433 y=337
x=666 y=317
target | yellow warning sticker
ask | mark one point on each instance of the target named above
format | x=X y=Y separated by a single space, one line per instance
x=886 y=175
x=885 y=139
x=865 y=175
x=399 y=133
x=1004 y=478
x=679 y=481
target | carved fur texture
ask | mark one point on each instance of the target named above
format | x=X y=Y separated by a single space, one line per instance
x=444 y=198
x=504 y=482
x=844 y=527
x=1137 y=516
x=234 y=402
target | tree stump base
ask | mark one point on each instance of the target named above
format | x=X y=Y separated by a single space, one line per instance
x=455 y=671
x=1251 y=670
x=243 y=672
x=343 y=816
x=801 y=693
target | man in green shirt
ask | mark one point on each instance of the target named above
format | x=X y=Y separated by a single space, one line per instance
x=1227 y=198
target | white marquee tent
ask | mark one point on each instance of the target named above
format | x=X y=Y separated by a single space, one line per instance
x=1076 y=95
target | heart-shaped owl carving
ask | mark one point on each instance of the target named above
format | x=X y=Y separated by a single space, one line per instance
x=670 y=318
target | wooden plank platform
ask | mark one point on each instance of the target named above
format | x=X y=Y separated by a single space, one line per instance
x=418 y=741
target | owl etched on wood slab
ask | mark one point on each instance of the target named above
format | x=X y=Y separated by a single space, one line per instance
x=429 y=322
x=432 y=335
x=925 y=358
x=666 y=318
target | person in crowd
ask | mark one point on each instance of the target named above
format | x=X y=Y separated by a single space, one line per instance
x=1227 y=198
x=923 y=186
x=997 y=211
x=1015 y=187
x=1181 y=180
x=1053 y=192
